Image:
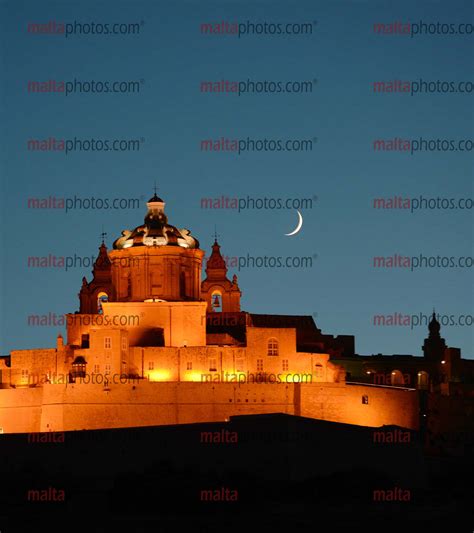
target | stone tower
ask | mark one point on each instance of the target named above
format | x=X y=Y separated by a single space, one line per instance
x=221 y=294
x=100 y=288
x=434 y=345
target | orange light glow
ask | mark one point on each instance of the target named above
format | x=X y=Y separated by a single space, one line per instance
x=159 y=375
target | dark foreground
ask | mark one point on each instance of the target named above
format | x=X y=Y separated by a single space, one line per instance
x=252 y=473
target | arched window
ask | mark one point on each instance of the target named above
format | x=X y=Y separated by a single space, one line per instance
x=272 y=346
x=423 y=380
x=216 y=302
x=371 y=375
x=397 y=378
x=101 y=297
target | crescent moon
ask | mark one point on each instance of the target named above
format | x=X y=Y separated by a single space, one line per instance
x=298 y=227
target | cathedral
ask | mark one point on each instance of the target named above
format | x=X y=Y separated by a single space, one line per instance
x=157 y=342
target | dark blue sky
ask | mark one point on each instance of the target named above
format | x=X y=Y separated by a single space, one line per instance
x=342 y=289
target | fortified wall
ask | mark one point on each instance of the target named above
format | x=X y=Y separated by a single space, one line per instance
x=79 y=406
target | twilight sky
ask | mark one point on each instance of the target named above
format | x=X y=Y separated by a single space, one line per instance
x=342 y=174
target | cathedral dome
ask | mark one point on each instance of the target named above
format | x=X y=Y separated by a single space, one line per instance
x=156 y=231
x=155 y=198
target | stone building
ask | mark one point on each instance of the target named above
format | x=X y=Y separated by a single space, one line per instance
x=153 y=343
x=440 y=370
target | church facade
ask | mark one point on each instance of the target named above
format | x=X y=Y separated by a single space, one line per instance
x=154 y=343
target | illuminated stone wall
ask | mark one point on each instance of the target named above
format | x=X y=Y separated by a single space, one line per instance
x=31 y=366
x=20 y=409
x=81 y=406
x=345 y=403
x=180 y=323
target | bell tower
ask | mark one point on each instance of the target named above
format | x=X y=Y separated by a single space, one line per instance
x=434 y=346
x=100 y=288
x=221 y=294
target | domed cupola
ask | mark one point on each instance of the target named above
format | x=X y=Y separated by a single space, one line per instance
x=156 y=231
x=156 y=261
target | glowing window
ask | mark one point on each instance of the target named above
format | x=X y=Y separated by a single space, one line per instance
x=397 y=378
x=101 y=297
x=423 y=380
x=272 y=346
